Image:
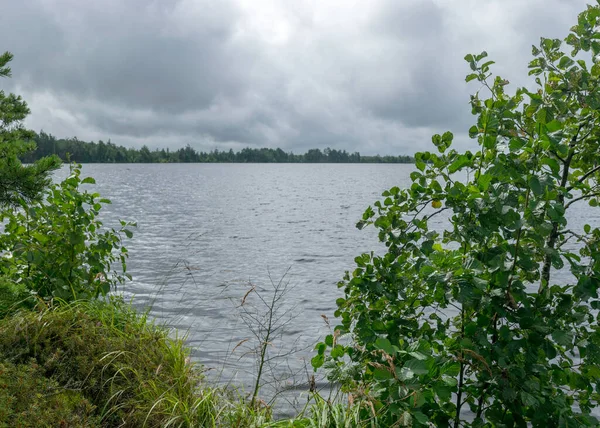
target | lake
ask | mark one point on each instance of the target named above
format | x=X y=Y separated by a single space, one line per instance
x=208 y=233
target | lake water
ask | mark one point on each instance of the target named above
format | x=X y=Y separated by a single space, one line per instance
x=207 y=233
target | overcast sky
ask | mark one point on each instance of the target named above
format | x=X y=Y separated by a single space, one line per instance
x=375 y=76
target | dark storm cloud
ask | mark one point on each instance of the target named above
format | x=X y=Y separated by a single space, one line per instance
x=127 y=54
x=415 y=100
x=377 y=77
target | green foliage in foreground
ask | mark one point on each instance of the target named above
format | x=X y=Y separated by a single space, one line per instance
x=475 y=326
x=100 y=364
x=116 y=366
x=321 y=413
x=19 y=182
x=101 y=152
x=57 y=248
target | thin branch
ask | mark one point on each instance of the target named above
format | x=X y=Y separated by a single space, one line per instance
x=584 y=176
x=578 y=236
x=558 y=156
x=551 y=242
x=436 y=213
x=515 y=257
x=589 y=195
x=586 y=135
x=460 y=386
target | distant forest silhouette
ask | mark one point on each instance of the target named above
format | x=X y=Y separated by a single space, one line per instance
x=90 y=152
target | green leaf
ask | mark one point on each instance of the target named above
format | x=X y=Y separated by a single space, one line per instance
x=484 y=181
x=459 y=163
x=487 y=64
x=381 y=374
x=444 y=392
x=528 y=399
x=565 y=62
x=451 y=368
x=385 y=345
x=418 y=367
x=420 y=417
x=473 y=131
x=447 y=137
x=404 y=373
x=516 y=144
x=317 y=361
x=418 y=355
x=535 y=185
x=490 y=140
x=552 y=163
x=554 y=125
x=563 y=338
x=470 y=77
x=88 y=180
x=556 y=212
x=338 y=351
x=449 y=380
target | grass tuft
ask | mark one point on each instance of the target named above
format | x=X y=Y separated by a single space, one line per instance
x=129 y=368
x=102 y=364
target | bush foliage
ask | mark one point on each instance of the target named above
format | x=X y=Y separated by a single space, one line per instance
x=473 y=325
x=57 y=248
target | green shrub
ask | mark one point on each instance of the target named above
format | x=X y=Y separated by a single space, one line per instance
x=472 y=326
x=57 y=248
x=128 y=369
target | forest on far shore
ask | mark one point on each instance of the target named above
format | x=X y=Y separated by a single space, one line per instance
x=73 y=149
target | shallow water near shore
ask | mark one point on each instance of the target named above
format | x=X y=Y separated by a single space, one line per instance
x=208 y=233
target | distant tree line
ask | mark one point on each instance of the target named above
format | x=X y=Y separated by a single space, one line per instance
x=101 y=152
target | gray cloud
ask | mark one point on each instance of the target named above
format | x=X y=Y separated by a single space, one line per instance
x=377 y=77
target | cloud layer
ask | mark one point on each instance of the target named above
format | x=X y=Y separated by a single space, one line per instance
x=376 y=76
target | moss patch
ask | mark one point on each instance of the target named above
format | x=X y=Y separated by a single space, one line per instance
x=118 y=368
x=29 y=399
